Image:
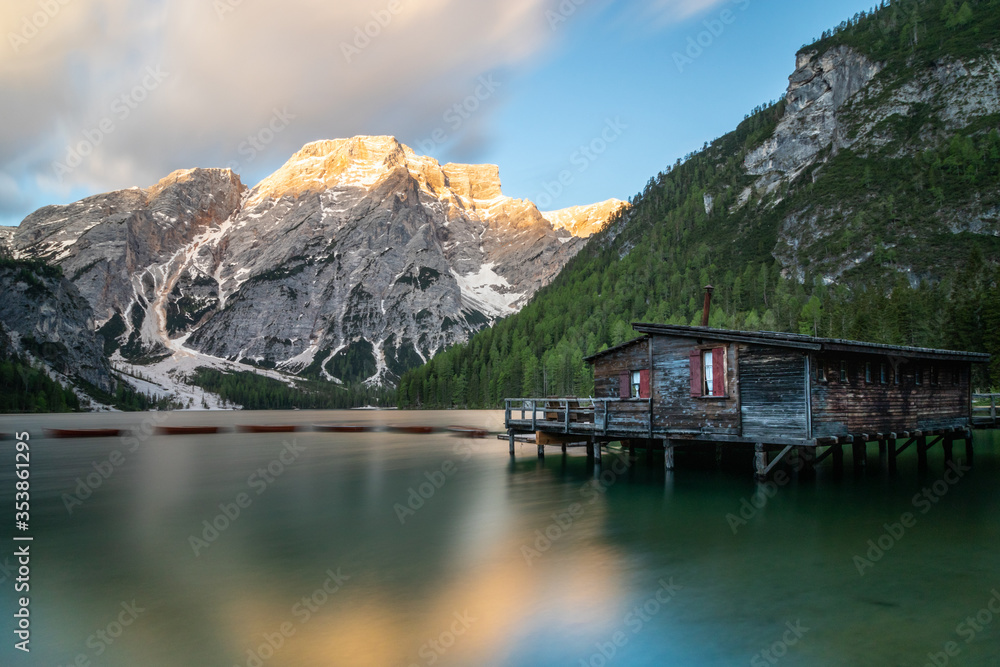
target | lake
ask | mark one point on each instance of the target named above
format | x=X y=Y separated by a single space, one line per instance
x=320 y=549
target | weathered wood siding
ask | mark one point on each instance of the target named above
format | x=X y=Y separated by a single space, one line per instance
x=857 y=406
x=673 y=406
x=631 y=357
x=772 y=392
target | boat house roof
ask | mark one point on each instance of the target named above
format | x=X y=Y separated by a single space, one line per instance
x=798 y=341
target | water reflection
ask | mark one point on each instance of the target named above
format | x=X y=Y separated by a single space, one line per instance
x=496 y=561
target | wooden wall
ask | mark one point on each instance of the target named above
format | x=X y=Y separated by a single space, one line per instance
x=773 y=392
x=607 y=369
x=674 y=407
x=856 y=406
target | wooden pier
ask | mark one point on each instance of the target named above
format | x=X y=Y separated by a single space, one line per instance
x=786 y=395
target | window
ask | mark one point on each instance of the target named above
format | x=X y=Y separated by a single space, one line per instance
x=896 y=374
x=820 y=371
x=918 y=376
x=708 y=372
x=933 y=375
x=954 y=376
x=843 y=371
x=634 y=384
x=883 y=373
x=868 y=372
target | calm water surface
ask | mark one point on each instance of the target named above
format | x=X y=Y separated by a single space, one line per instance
x=389 y=549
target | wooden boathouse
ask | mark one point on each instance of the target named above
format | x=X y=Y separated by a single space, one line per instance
x=682 y=386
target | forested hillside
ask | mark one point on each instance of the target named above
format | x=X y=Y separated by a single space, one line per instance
x=888 y=234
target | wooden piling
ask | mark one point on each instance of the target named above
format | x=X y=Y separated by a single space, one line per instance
x=859 y=452
x=759 y=460
x=883 y=454
x=597 y=451
x=892 y=456
x=668 y=455
x=510 y=435
x=922 y=452
x=838 y=458
x=949 y=445
x=968 y=449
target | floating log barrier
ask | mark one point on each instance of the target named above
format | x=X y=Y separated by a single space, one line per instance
x=342 y=428
x=419 y=430
x=469 y=431
x=186 y=430
x=254 y=428
x=83 y=432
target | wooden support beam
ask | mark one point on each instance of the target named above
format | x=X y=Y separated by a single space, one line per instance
x=760 y=461
x=838 y=458
x=922 y=452
x=860 y=455
x=597 y=451
x=893 y=452
x=968 y=449
x=883 y=454
x=829 y=450
x=510 y=434
x=949 y=447
x=668 y=455
x=806 y=460
x=905 y=446
x=777 y=459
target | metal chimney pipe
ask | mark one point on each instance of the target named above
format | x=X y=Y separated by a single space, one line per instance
x=708 y=305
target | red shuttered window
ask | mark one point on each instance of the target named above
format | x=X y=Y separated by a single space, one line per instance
x=695 y=361
x=708 y=372
x=719 y=371
x=644 y=383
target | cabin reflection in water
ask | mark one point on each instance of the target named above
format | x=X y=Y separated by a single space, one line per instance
x=680 y=386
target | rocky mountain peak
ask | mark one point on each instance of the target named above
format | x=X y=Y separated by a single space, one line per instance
x=585 y=221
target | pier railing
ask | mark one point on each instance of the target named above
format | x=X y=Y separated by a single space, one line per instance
x=579 y=415
x=984 y=409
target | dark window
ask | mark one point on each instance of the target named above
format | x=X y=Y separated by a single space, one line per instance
x=843 y=371
x=918 y=376
x=933 y=375
x=954 y=375
x=883 y=373
x=868 y=371
x=896 y=373
x=820 y=371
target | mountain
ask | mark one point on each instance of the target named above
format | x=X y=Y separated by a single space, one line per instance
x=47 y=338
x=585 y=221
x=864 y=205
x=356 y=260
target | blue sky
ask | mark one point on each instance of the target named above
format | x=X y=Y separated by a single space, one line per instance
x=589 y=89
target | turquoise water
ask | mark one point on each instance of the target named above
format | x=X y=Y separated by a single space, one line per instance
x=392 y=549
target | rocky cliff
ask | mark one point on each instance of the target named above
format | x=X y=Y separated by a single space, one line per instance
x=44 y=318
x=586 y=221
x=354 y=261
